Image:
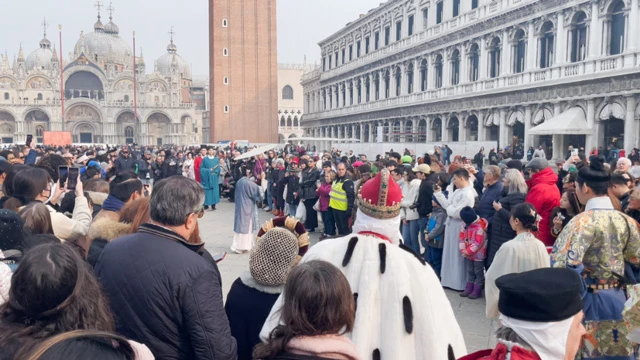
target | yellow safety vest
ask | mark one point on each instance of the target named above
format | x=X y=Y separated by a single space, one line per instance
x=338 y=196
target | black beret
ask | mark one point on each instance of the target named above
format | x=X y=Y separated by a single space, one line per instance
x=515 y=164
x=542 y=295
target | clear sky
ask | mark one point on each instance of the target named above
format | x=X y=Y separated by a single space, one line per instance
x=301 y=25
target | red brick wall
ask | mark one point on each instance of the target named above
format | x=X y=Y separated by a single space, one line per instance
x=252 y=69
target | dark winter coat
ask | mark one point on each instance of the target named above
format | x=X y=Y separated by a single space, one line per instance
x=425 y=194
x=292 y=182
x=485 y=206
x=308 y=183
x=247 y=309
x=123 y=164
x=165 y=295
x=170 y=167
x=501 y=230
x=479 y=160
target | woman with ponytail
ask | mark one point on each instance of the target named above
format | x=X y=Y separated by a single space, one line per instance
x=524 y=253
x=597 y=244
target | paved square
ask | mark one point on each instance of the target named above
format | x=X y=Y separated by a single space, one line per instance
x=216 y=229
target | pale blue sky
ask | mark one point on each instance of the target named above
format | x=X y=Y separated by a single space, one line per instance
x=301 y=25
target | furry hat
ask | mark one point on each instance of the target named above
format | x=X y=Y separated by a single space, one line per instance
x=468 y=215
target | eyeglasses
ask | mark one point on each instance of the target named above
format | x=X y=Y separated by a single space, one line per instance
x=200 y=213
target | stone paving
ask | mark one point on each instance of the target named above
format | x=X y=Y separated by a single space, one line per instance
x=216 y=229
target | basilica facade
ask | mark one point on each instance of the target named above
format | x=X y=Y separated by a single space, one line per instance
x=98 y=81
x=527 y=72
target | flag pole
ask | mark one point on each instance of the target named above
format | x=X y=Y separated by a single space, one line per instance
x=61 y=75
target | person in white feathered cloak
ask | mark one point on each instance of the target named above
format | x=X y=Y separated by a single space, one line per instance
x=402 y=311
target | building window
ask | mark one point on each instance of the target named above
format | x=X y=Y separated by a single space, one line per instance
x=350 y=52
x=578 y=37
x=398 y=78
x=423 y=75
x=287 y=93
x=128 y=132
x=344 y=97
x=126 y=98
x=225 y=23
x=410 y=25
x=456 y=8
x=358 y=49
x=367 y=89
x=455 y=67
x=410 y=79
x=398 y=30
x=474 y=4
x=359 y=89
x=376 y=86
x=330 y=102
x=616 y=28
x=225 y=52
x=330 y=62
x=39 y=133
x=387 y=35
x=366 y=45
x=225 y=80
x=344 y=53
x=425 y=18
x=387 y=84
x=474 y=62
x=226 y=109
x=547 y=38
x=494 y=57
x=6 y=96
x=39 y=96
x=376 y=40
x=520 y=51
x=336 y=58
x=438 y=69
x=439 y=12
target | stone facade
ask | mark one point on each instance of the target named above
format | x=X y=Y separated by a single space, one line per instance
x=243 y=70
x=474 y=71
x=99 y=94
x=290 y=100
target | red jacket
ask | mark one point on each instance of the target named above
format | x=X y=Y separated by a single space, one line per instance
x=473 y=239
x=500 y=353
x=544 y=195
x=196 y=167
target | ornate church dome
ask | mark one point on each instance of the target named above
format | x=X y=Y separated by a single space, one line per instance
x=104 y=47
x=171 y=58
x=41 y=57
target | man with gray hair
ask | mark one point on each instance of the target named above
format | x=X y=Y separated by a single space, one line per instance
x=492 y=192
x=623 y=164
x=165 y=291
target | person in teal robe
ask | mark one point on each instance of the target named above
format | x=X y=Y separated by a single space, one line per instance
x=209 y=174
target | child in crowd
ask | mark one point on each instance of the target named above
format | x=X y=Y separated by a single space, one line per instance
x=434 y=234
x=473 y=246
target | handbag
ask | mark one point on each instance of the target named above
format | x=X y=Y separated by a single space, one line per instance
x=316 y=206
x=301 y=213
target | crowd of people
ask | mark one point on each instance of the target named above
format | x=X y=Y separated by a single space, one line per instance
x=112 y=265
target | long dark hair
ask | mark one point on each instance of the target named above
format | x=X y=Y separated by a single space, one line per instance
x=52 y=291
x=84 y=344
x=27 y=184
x=576 y=207
x=317 y=301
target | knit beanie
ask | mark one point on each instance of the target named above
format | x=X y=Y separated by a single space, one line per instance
x=468 y=215
x=273 y=257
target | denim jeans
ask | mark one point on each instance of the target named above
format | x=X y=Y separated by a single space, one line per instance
x=433 y=256
x=422 y=226
x=475 y=271
x=269 y=195
x=329 y=222
x=410 y=235
x=292 y=210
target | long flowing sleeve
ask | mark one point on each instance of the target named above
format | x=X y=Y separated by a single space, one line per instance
x=573 y=242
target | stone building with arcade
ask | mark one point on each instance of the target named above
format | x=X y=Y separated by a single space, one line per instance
x=99 y=93
x=466 y=72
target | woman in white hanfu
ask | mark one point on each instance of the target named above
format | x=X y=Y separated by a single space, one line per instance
x=453 y=273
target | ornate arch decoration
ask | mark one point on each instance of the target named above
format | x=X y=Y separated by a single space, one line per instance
x=38 y=82
x=514 y=117
x=84 y=124
x=453 y=120
x=155 y=112
x=36 y=116
x=570 y=14
x=542 y=114
x=157 y=86
x=129 y=119
x=123 y=84
x=468 y=46
x=83 y=112
x=513 y=32
x=435 y=122
x=85 y=68
x=7 y=115
x=8 y=82
x=491 y=120
x=606 y=7
x=540 y=22
x=613 y=109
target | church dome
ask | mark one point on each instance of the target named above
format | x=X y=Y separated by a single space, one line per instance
x=41 y=57
x=104 y=48
x=171 y=58
x=111 y=28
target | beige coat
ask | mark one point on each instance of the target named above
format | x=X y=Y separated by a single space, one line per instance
x=77 y=227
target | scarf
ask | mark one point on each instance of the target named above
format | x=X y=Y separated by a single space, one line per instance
x=548 y=339
x=112 y=204
x=325 y=346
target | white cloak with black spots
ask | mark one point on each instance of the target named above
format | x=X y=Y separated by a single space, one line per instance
x=402 y=311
